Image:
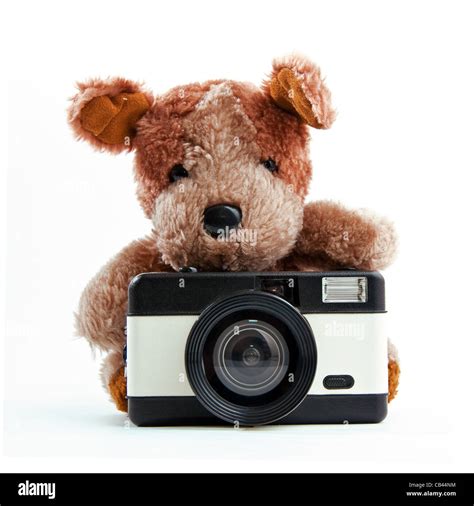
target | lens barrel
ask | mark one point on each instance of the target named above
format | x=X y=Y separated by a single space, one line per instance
x=251 y=358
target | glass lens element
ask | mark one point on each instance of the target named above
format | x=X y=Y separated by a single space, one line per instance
x=251 y=357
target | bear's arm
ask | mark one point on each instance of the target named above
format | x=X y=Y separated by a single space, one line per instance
x=340 y=237
x=103 y=303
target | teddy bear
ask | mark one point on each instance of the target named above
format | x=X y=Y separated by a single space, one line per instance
x=219 y=156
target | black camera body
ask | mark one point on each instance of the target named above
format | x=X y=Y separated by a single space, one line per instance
x=256 y=348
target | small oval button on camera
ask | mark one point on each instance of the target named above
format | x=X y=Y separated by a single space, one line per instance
x=338 y=382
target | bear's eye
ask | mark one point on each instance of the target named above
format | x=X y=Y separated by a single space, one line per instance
x=178 y=172
x=270 y=165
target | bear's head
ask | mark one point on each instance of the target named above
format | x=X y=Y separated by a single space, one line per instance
x=222 y=168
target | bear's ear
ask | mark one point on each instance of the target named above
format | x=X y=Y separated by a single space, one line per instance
x=296 y=86
x=105 y=112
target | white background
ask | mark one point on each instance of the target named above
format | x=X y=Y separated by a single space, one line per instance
x=402 y=80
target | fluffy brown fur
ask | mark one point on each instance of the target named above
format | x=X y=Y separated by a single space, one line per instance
x=117 y=387
x=91 y=89
x=296 y=85
x=222 y=132
x=347 y=238
x=224 y=171
x=393 y=379
x=102 y=307
x=279 y=135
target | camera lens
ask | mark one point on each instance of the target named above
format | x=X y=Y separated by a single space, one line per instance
x=251 y=358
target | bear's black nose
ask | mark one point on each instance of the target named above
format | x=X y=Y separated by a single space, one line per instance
x=221 y=218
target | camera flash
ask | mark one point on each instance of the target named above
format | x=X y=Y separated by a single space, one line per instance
x=344 y=289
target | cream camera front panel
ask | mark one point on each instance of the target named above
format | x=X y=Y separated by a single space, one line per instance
x=347 y=343
x=352 y=344
x=155 y=355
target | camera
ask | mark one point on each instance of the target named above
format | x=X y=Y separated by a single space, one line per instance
x=256 y=348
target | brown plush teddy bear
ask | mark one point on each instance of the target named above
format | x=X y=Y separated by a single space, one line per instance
x=221 y=155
